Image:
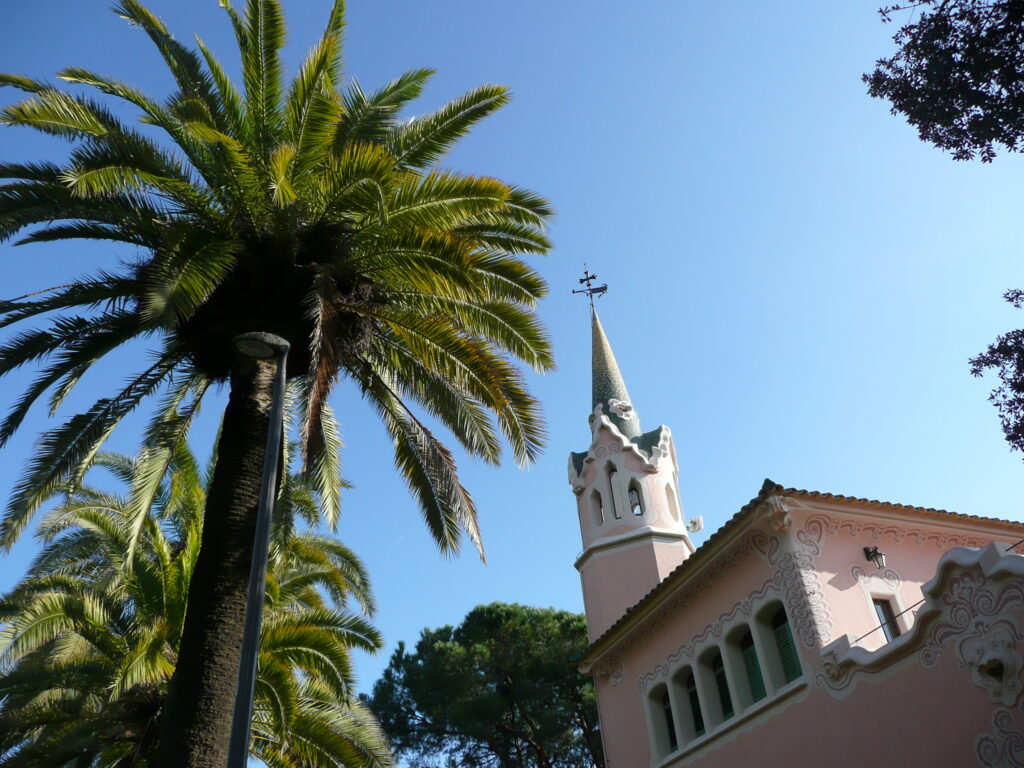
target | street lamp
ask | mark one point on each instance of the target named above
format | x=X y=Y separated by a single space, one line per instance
x=259 y=346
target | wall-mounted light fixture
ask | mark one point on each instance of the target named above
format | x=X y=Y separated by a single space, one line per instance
x=875 y=556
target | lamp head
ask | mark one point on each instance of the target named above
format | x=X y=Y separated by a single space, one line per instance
x=874 y=555
x=260 y=346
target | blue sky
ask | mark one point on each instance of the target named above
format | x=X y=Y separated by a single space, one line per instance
x=796 y=281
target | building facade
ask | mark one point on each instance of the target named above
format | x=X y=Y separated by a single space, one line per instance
x=810 y=630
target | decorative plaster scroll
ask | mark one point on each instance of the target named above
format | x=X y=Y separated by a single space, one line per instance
x=805 y=596
x=818 y=525
x=613 y=668
x=805 y=599
x=833 y=674
x=616 y=671
x=766 y=546
x=888 y=575
x=991 y=654
x=811 y=535
x=606 y=450
x=1002 y=747
x=969 y=599
x=713 y=631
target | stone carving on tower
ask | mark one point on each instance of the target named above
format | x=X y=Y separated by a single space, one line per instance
x=626 y=486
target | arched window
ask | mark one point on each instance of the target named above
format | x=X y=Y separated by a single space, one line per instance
x=752 y=666
x=596 y=507
x=662 y=719
x=690 y=684
x=635 y=505
x=785 y=645
x=612 y=480
x=670 y=725
x=722 y=684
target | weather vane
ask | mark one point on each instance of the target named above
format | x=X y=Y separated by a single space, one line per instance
x=591 y=290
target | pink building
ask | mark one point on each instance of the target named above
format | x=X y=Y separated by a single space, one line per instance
x=810 y=630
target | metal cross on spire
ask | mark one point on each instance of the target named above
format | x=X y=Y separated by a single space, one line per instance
x=591 y=290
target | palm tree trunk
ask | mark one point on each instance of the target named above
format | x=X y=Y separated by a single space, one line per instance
x=196 y=721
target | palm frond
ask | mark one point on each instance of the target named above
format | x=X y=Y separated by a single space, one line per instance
x=262 y=72
x=428 y=469
x=23 y=83
x=185 y=65
x=160 y=449
x=312 y=107
x=422 y=141
x=370 y=119
x=56 y=113
x=65 y=451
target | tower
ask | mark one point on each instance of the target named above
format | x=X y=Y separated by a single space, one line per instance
x=627 y=497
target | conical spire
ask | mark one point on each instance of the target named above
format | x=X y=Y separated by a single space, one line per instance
x=609 y=390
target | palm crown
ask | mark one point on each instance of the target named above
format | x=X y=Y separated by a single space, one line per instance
x=306 y=209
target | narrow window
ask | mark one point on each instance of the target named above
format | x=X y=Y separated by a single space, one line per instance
x=724 y=699
x=786 y=646
x=753 y=666
x=698 y=716
x=596 y=507
x=612 y=475
x=634 y=501
x=883 y=610
x=666 y=707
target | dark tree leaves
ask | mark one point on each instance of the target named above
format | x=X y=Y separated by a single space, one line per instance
x=1006 y=357
x=958 y=74
x=499 y=691
x=958 y=77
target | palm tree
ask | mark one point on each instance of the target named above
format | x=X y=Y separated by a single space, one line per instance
x=304 y=208
x=90 y=635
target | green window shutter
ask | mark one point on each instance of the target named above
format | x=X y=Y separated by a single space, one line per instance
x=787 y=648
x=670 y=725
x=698 y=716
x=753 y=666
x=724 y=699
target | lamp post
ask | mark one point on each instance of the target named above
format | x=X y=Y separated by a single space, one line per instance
x=259 y=346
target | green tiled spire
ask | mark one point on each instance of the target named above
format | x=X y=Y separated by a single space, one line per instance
x=607 y=382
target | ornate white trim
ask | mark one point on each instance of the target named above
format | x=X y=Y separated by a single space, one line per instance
x=888 y=576
x=970 y=597
x=613 y=669
x=1003 y=746
x=819 y=524
x=621 y=443
x=808 y=610
x=990 y=652
x=778 y=513
x=622 y=408
x=966 y=607
x=771 y=588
